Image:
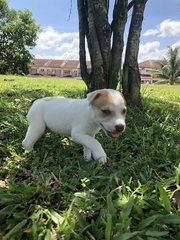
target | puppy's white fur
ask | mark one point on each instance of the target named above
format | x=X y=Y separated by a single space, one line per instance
x=79 y=118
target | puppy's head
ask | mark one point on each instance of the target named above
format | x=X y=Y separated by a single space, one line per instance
x=109 y=108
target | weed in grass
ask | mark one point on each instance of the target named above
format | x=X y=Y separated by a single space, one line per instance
x=50 y=193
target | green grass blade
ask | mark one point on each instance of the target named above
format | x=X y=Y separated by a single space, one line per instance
x=125 y=219
x=147 y=222
x=108 y=227
x=8 y=209
x=55 y=217
x=48 y=235
x=110 y=206
x=15 y=229
x=81 y=220
x=170 y=219
x=152 y=233
x=128 y=206
x=126 y=236
x=164 y=197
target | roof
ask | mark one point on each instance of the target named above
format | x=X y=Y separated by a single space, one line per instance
x=153 y=64
x=57 y=63
x=54 y=63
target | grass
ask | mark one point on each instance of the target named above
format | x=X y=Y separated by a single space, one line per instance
x=168 y=93
x=50 y=193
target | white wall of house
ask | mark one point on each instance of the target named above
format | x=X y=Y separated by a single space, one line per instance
x=46 y=67
x=147 y=71
x=33 y=71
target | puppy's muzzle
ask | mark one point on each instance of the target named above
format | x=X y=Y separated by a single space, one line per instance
x=118 y=129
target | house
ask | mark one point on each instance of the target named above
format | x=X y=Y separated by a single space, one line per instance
x=148 y=69
x=57 y=68
x=71 y=68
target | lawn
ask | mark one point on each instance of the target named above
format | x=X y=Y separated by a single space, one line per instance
x=50 y=193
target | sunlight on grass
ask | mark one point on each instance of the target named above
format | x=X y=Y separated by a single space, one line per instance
x=28 y=83
x=50 y=193
x=169 y=93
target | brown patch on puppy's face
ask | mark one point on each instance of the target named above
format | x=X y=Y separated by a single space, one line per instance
x=109 y=109
x=102 y=99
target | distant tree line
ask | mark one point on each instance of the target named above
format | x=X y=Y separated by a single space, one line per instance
x=18 y=34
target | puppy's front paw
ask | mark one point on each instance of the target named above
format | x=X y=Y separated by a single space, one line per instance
x=103 y=160
x=100 y=156
x=87 y=154
x=27 y=146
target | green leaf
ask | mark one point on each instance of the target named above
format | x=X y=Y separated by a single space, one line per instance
x=177 y=236
x=9 y=209
x=81 y=220
x=178 y=175
x=164 y=197
x=125 y=220
x=126 y=236
x=128 y=206
x=15 y=229
x=156 y=233
x=54 y=216
x=108 y=227
x=7 y=198
x=110 y=206
x=48 y=235
x=170 y=219
x=34 y=230
x=146 y=222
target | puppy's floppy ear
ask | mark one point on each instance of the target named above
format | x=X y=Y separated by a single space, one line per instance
x=122 y=95
x=93 y=96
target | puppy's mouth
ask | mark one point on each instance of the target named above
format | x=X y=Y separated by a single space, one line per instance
x=112 y=134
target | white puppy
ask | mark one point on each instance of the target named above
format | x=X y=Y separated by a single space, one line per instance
x=79 y=118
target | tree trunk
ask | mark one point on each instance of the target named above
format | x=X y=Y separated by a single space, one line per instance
x=105 y=54
x=94 y=26
x=172 y=80
x=83 y=31
x=117 y=26
x=131 y=76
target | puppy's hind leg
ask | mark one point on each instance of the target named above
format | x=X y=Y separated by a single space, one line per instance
x=34 y=132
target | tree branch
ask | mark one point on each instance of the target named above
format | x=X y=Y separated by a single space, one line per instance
x=131 y=4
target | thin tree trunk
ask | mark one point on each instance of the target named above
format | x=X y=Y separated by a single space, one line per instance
x=93 y=25
x=118 y=26
x=131 y=76
x=99 y=39
x=83 y=31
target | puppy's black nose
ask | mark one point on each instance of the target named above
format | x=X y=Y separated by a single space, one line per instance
x=119 y=127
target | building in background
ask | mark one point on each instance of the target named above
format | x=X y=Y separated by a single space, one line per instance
x=71 y=68
x=148 y=69
x=57 y=68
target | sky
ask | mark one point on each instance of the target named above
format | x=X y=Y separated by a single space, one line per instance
x=59 y=37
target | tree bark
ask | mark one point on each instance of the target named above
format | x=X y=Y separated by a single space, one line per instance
x=117 y=26
x=83 y=31
x=99 y=39
x=131 y=76
x=105 y=45
x=94 y=26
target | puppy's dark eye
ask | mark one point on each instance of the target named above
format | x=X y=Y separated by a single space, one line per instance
x=106 y=111
x=124 y=111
